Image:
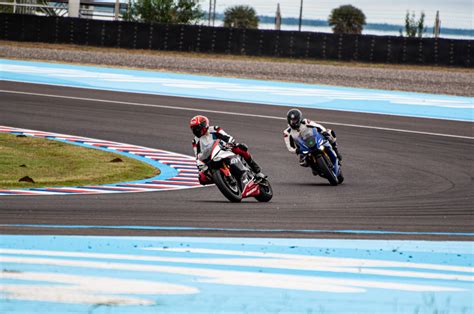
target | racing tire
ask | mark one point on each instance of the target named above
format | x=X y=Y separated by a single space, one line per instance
x=233 y=195
x=328 y=174
x=266 y=192
x=340 y=178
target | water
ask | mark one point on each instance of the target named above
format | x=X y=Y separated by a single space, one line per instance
x=453 y=13
x=456 y=14
x=323 y=29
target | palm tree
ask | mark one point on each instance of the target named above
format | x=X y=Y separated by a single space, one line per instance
x=347 y=19
x=240 y=16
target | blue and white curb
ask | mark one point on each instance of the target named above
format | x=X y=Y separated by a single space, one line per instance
x=177 y=171
x=242 y=90
x=59 y=274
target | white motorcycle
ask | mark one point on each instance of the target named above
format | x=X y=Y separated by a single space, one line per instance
x=231 y=174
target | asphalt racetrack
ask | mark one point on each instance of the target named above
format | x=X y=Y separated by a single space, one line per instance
x=403 y=180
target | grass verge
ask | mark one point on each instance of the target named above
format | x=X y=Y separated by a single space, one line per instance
x=51 y=163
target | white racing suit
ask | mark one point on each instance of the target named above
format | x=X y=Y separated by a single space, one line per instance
x=291 y=135
x=212 y=134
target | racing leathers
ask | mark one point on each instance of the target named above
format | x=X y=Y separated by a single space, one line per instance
x=213 y=133
x=290 y=135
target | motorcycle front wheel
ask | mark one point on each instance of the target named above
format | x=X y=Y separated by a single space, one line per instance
x=340 y=178
x=266 y=192
x=228 y=186
x=328 y=173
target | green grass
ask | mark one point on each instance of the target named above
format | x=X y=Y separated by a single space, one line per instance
x=51 y=163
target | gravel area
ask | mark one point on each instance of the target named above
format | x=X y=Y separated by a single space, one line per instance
x=452 y=81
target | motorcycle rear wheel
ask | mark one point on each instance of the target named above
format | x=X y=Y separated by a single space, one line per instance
x=328 y=174
x=266 y=192
x=232 y=194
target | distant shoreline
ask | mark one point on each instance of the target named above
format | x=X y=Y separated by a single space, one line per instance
x=265 y=19
x=372 y=26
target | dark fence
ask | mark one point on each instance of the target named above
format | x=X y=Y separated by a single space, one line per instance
x=364 y=48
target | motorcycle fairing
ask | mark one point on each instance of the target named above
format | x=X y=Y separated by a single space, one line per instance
x=218 y=153
x=251 y=189
x=311 y=140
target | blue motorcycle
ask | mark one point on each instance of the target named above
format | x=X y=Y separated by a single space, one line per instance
x=320 y=156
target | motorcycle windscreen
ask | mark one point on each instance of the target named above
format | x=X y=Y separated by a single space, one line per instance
x=308 y=139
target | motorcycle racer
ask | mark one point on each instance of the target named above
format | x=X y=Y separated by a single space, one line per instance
x=296 y=125
x=204 y=135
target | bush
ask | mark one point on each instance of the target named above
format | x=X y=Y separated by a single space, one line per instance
x=414 y=28
x=164 y=11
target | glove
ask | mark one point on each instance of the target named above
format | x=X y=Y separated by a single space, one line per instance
x=303 y=162
x=242 y=146
x=329 y=133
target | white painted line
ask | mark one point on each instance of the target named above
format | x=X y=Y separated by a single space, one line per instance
x=93 y=290
x=174 y=159
x=172 y=162
x=152 y=186
x=310 y=261
x=159 y=155
x=112 y=188
x=186 y=175
x=234 y=113
x=190 y=180
x=241 y=278
x=29 y=192
x=277 y=260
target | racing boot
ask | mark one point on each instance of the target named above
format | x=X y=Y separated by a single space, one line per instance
x=339 y=156
x=256 y=168
x=330 y=135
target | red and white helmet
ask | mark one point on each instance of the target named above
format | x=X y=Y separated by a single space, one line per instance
x=199 y=125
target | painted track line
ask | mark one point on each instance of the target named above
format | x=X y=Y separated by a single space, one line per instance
x=170 y=228
x=234 y=113
x=287 y=275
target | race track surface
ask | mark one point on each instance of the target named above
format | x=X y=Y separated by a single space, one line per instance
x=395 y=181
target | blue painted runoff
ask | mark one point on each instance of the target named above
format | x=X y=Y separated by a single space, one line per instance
x=177 y=228
x=242 y=90
x=244 y=275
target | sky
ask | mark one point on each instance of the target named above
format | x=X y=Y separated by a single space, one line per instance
x=453 y=13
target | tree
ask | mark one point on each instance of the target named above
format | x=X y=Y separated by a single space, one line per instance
x=6 y=8
x=414 y=28
x=164 y=11
x=241 y=16
x=347 y=19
